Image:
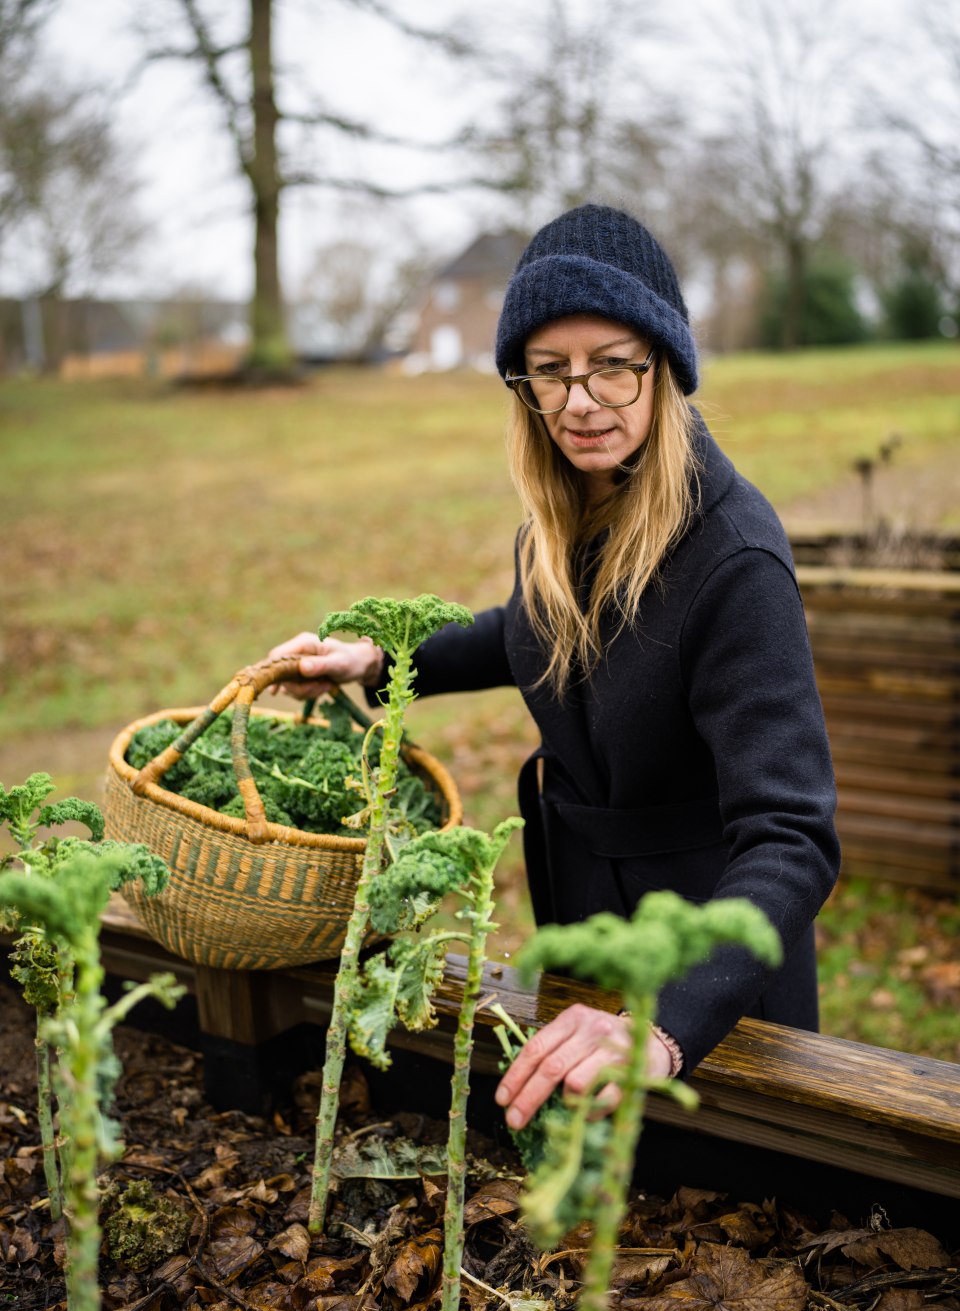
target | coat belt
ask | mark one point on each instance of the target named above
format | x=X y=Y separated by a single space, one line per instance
x=647 y=831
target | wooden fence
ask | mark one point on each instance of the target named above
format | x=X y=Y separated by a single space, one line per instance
x=886 y=645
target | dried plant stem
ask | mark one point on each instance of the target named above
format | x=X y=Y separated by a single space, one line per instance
x=398 y=697
x=480 y=912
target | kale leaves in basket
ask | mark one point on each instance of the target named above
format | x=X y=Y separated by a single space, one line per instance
x=308 y=774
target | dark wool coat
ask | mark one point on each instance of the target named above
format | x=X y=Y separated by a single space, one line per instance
x=695 y=758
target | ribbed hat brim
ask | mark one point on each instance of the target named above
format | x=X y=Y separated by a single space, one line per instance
x=557 y=286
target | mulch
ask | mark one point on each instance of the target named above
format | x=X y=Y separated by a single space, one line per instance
x=225 y=1196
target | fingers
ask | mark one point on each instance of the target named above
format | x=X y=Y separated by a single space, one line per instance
x=324 y=665
x=302 y=644
x=571 y=1050
x=607 y=1100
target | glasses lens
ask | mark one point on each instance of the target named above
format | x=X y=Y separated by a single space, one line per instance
x=615 y=386
x=544 y=394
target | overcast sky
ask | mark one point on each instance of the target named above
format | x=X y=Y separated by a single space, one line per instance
x=197 y=207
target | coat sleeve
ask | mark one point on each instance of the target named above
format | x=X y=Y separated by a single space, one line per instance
x=459 y=659
x=748 y=672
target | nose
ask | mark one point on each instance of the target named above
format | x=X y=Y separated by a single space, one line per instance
x=579 y=400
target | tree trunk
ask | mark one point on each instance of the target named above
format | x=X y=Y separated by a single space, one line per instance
x=269 y=348
x=793 y=307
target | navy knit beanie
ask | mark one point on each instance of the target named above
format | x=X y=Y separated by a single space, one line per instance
x=597 y=260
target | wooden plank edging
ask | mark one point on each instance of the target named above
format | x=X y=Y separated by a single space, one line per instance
x=883 y=1113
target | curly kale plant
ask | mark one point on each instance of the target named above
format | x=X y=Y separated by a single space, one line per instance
x=663 y=939
x=308 y=775
x=23 y=811
x=56 y=898
x=400 y=982
x=398 y=627
x=565 y=1141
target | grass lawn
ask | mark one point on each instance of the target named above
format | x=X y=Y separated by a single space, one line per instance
x=157 y=539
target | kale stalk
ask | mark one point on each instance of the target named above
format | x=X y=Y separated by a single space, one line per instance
x=398 y=627
x=663 y=939
x=57 y=901
x=400 y=982
x=44 y=974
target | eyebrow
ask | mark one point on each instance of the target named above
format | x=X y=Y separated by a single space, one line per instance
x=597 y=350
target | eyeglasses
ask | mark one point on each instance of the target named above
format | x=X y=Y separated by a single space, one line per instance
x=548 y=393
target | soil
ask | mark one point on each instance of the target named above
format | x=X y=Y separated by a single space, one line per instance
x=233 y=1193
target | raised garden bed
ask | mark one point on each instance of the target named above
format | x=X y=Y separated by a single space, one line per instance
x=809 y=1156
x=884 y=621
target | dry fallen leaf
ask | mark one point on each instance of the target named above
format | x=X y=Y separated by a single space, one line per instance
x=910 y=1249
x=728 y=1279
x=415 y=1258
x=294 y=1243
x=836 y=1237
x=498 y=1197
x=943 y=980
x=321 y=1277
x=232 y=1246
x=902 y=1299
x=638 y=1272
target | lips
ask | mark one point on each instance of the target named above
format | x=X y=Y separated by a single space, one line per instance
x=591 y=438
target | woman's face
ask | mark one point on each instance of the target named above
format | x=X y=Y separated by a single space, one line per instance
x=595 y=438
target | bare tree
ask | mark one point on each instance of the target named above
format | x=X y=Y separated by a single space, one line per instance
x=239 y=70
x=788 y=70
x=356 y=286
x=572 y=124
x=66 y=191
x=930 y=116
x=926 y=124
x=19 y=23
x=71 y=195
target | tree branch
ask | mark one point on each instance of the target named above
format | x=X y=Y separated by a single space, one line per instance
x=210 y=55
x=446 y=41
x=364 y=132
x=304 y=179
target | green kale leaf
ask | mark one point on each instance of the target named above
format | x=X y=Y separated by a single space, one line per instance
x=396 y=625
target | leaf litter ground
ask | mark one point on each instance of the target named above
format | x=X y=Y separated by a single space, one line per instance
x=222 y=1201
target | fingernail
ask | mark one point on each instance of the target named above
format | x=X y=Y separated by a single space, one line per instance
x=501 y=1096
x=514 y=1119
x=309 y=665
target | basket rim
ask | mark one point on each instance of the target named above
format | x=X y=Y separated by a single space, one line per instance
x=274 y=832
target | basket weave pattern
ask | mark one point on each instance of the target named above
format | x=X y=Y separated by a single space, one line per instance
x=233 y=902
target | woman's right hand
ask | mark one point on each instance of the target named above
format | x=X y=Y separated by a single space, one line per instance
x=325 y=665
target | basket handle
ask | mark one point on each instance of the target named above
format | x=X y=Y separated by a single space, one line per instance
x=240 y=692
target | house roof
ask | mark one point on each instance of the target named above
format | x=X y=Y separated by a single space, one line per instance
x=492 y=256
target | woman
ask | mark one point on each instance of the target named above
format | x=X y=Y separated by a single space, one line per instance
x=658 y=637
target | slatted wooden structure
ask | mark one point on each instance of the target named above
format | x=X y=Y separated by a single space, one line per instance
x=880 y=1113
x=886 y=646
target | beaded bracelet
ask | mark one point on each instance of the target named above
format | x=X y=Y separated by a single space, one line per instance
x=671 y=1044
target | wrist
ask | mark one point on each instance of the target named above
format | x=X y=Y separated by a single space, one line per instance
x=373 y=676
x=673 y=1049
x=667 y=1041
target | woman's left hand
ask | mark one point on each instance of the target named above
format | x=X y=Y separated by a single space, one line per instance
x=572 y=1050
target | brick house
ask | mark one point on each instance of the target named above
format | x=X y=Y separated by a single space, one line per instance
x=456 y=319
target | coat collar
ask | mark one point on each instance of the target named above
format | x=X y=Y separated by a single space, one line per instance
x=715 y=471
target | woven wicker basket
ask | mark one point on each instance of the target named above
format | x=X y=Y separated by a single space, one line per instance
x=243 y=894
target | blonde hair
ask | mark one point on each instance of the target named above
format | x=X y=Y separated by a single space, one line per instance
x=644 y=516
